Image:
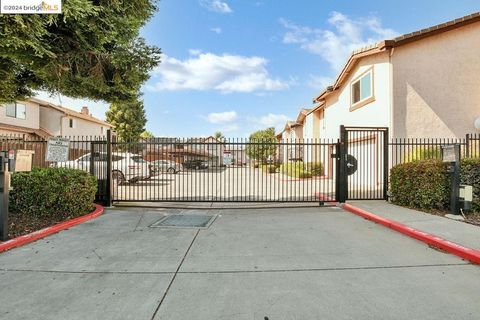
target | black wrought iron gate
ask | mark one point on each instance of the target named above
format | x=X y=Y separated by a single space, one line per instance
x=363 y=163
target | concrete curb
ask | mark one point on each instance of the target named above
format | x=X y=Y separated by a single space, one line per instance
x=466 y=253
x=31 y=237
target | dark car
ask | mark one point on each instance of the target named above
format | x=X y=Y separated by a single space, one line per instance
x=195 y=164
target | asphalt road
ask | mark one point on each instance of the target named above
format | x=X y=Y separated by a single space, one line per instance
x=300 y=263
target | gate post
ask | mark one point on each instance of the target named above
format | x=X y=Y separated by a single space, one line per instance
x=108 y=184
x=386 y=162
x=341 y=188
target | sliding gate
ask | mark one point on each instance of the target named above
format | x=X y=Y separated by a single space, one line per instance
x=230 y=170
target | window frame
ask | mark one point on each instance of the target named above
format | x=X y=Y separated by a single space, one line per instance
x=366 y=100
x=16 y=115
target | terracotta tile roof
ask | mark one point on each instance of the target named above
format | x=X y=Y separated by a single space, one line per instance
x=398 y=41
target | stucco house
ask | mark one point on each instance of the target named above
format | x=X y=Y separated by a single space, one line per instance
x=291 y=134
x=425 y=84
x=36 y=118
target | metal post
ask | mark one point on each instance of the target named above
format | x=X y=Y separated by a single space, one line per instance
x=454 y=200
x=4 y=196
x=108 y=187
x=341 y=160
x=385 y=164
x=467 y=146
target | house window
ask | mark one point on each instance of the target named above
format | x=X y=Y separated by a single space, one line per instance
x=70 y=123
x=101 y=130
x=16 y=110
x=362 y=89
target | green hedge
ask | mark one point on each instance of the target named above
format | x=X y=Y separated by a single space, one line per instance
x=51 y=192
x=316 y=168
x=270 y=168
x=426 y=185
x=423 y=153
x=302 y=170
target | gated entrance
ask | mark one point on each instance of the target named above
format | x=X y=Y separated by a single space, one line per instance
x=231 y=170
x=363 y=166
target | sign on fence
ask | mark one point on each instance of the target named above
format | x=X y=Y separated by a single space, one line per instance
x=57 y=149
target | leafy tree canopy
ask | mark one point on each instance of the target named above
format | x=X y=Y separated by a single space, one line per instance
x=146 y=135
x=264 y=144
x=218 y=135
x=92 y=50
x=128 y=118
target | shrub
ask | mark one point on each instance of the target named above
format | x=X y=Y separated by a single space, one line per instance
x=426 y=184
x=470 y=175
x=295 y=170
x=52 y=192
x=270 y=168
x=423 y=153
x=420 y=184
x=316 y=168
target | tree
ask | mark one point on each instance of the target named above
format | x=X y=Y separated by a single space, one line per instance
x=218 y=135
x=146 y=135
x=263 y=144
x=128 y=119
x=93 y=50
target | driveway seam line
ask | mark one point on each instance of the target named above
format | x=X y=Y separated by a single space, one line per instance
x=174 y=276
x=239 y=271
x=327 y=269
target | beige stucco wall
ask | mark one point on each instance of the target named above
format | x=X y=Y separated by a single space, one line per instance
x=436 y=85
x=31 y=119
x=82 y=127
x=50 y=120
x=375 y=114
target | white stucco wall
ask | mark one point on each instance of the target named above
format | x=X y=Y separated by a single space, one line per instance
x=374 y=114
x=436 y=85
x=32 y=116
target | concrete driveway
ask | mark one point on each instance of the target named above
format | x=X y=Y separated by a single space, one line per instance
x=300 y=263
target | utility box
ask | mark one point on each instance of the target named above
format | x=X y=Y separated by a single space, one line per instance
x=465 y=196
x=466 y=193
x=24 y=160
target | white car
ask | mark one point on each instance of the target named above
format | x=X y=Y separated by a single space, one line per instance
x=125 y=166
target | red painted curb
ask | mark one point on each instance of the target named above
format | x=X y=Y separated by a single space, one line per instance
x=469 y=254
x=22 y=240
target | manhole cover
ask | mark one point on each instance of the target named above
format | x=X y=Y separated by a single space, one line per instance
x=185 y=221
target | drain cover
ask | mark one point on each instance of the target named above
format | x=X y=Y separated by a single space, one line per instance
x=185 y=221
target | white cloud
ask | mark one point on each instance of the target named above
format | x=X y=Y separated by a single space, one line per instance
x=216 y=6
x=207 y=71
x=216 y=30
x=319 y=82
x=220 y=117
x=271 y=120
x=336 y=44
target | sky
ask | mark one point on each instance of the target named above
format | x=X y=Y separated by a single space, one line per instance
x=237 y=66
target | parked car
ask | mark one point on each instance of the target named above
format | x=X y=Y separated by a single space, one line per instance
x=195 y=164
x=159 y=166
x=125 y=166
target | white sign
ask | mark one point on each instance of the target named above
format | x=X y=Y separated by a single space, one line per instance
x=57 y=149
x=31 y=6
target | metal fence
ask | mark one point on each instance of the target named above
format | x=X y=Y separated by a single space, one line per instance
x=81 y=149
x=241 y=170
x=231 y=170
x=408 y=150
